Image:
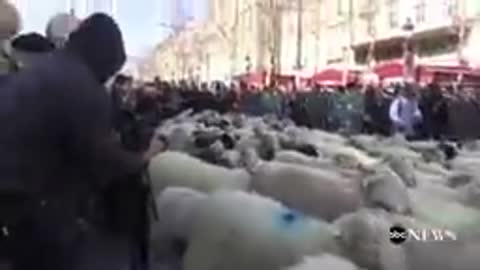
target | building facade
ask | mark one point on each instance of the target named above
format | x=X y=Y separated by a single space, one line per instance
x=242 y=36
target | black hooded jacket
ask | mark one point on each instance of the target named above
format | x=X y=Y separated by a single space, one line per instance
x=56 y=122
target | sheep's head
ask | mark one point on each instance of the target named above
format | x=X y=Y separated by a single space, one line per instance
x=249 y=158
x=383 y=188
x=360 y=238
x=217 y=148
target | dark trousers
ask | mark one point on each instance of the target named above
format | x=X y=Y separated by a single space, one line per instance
x=52 y=238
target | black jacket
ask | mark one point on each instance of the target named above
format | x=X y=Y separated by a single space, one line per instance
x=56 y=122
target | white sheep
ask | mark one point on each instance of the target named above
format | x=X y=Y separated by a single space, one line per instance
x=294 y=157
x=176 y=208
x=441 y=212
x=175 y=169
x=238 y=231
x=365 y=240
x=324 y=262
x=325 y=194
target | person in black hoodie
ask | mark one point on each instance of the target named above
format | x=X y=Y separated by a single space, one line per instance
x=376 y=120
x=58 y=154
x=434 y=107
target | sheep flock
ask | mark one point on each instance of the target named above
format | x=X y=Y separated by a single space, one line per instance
x=243 y=193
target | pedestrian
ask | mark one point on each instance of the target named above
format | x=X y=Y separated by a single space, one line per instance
x=405 y=113
x=58 y=154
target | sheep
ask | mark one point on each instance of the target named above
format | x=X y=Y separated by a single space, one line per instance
x=170 y=234
x=470 y=194
x=301 y=159
x=324 y=262
x=235 y=230
x=175 y=169
x=176 y=207
x=325 y=194
x=445 y=213
x=364 y=239
x=404 y=168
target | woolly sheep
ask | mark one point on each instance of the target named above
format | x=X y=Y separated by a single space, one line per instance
x=443 y=213
x=364 y=239
x=470 y=194
x=432 y=168
x=466 y=164
x=315 y=192
x=404 y=168
x=301 y=159
x=324 y=194
x=177 y=208
x=175 y=169
x=324 y=262
x=238 y=231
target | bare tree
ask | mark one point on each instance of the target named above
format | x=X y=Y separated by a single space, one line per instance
x=270 y=31
x=229 y=34
x=370 y=15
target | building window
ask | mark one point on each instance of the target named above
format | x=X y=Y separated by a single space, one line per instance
x=393 y=17
x=420 y=11
x=340 y=10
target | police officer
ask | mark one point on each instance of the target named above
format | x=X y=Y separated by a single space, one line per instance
x=58 y=151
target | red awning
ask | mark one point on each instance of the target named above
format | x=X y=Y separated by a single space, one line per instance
x=447 y=74
x=334 y=77
x=388 y=70
x=284 y=80
x=257 y=78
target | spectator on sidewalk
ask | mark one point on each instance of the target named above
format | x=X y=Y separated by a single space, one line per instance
x=405 y=113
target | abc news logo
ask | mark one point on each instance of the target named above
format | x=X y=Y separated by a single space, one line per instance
x=399 y=234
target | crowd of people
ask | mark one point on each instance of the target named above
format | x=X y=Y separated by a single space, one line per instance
x=430 y=112
x=73 y=155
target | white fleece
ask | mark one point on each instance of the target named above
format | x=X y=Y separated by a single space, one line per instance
x=238 y=231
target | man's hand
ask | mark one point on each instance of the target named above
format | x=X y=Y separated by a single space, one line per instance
x=157 y=145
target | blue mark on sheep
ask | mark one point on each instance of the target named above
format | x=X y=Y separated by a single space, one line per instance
x=289 y=219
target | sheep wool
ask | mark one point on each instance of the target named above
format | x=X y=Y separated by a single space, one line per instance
x=177 y=208
x=364 y=239
x=175 y=169
x=319 y=193
x=235 y=230
x=443 y=213
x=295 y=157
x=324 y=262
